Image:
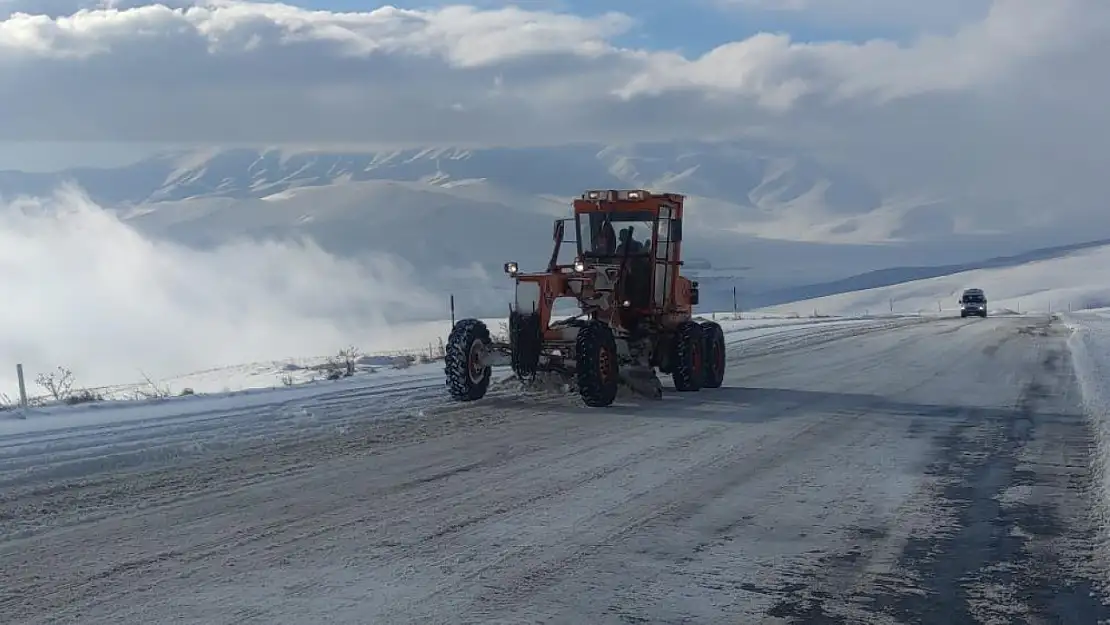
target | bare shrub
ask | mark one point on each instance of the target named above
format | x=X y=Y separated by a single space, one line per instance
x=349 y=357
x=59 y=386
x=152 y=390
x=83 y=396
x=342 y=365
x=58 y=383
x=502 y=333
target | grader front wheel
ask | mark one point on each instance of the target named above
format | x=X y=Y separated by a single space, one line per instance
x=468 y=376
x=596 y=363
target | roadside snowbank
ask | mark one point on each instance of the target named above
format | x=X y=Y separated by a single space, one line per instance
x=260 y=386
x=417 y=342
x=1090 y=350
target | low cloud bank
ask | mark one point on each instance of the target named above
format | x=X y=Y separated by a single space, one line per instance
x=84 y=290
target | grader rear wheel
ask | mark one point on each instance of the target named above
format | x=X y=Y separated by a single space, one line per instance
x=714 y=354
x=689 y=357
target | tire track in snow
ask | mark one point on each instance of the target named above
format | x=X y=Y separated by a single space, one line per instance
x=1013 y=538
x=820 y=491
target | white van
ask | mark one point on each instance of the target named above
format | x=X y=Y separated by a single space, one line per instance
x=973 y=302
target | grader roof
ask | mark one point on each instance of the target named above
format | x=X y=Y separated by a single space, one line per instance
x=631 y=200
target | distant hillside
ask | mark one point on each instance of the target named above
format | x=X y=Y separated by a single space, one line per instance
x=898 y=275
x=791 y=227
x=740 y=187
x=1045 y=280
x=737 y=173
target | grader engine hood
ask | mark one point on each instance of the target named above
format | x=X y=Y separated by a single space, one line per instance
x=592 y=285
x=596 y=278
x=529 y=296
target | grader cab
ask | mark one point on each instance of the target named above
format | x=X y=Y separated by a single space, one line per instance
x=634 y=309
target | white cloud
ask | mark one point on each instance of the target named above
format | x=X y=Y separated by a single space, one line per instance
x=780 y=72
x=1000 y=98
x=245 y=71
x=934 y=14
x=87 y=292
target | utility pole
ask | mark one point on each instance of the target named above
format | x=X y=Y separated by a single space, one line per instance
x=22 y=386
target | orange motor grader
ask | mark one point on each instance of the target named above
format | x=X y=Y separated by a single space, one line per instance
x=635 y=310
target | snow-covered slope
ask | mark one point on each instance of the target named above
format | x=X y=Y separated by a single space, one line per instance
x=455 y=215
x=458 y=236
x=746 y=188
x=1075 y=281
x=411 y=344
x=761 y=180
x=892 y=276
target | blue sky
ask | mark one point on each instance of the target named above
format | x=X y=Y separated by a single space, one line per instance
x=690 y=26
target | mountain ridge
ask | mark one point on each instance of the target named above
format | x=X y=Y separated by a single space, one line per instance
x=799 y=227
x=744 y=187
x=724 y=171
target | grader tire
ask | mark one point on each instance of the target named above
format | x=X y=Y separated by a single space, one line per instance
x=467 y=378
x=597 y=368
x=689 y=357
x=714 y=354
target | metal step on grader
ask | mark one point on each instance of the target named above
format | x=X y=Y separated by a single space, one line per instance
x=635 y=309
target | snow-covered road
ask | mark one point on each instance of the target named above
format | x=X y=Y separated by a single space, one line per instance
x=886 y=471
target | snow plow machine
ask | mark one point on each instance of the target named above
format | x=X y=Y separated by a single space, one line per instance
x=635 y=310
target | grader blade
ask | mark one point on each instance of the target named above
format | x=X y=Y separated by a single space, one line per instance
x=642 y=381
x=546 y=383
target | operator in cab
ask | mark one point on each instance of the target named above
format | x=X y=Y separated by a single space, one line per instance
x=628 y=243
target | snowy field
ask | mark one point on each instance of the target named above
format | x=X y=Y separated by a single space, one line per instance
x=1073 y=282
x=880 y=471
x=412 y=344
x=241 y=404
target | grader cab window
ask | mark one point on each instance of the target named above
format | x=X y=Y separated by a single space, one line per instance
x=610 y=233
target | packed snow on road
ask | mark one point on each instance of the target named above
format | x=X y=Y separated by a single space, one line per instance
x=888 y=470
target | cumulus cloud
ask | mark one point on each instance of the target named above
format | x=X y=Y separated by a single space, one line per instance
x=227 y=70
x=935 y=14
x=1000 y=95
x=87 y=292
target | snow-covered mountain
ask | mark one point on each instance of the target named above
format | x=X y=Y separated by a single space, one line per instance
x=760 y=218
x=759 y=179
x=744 y=188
